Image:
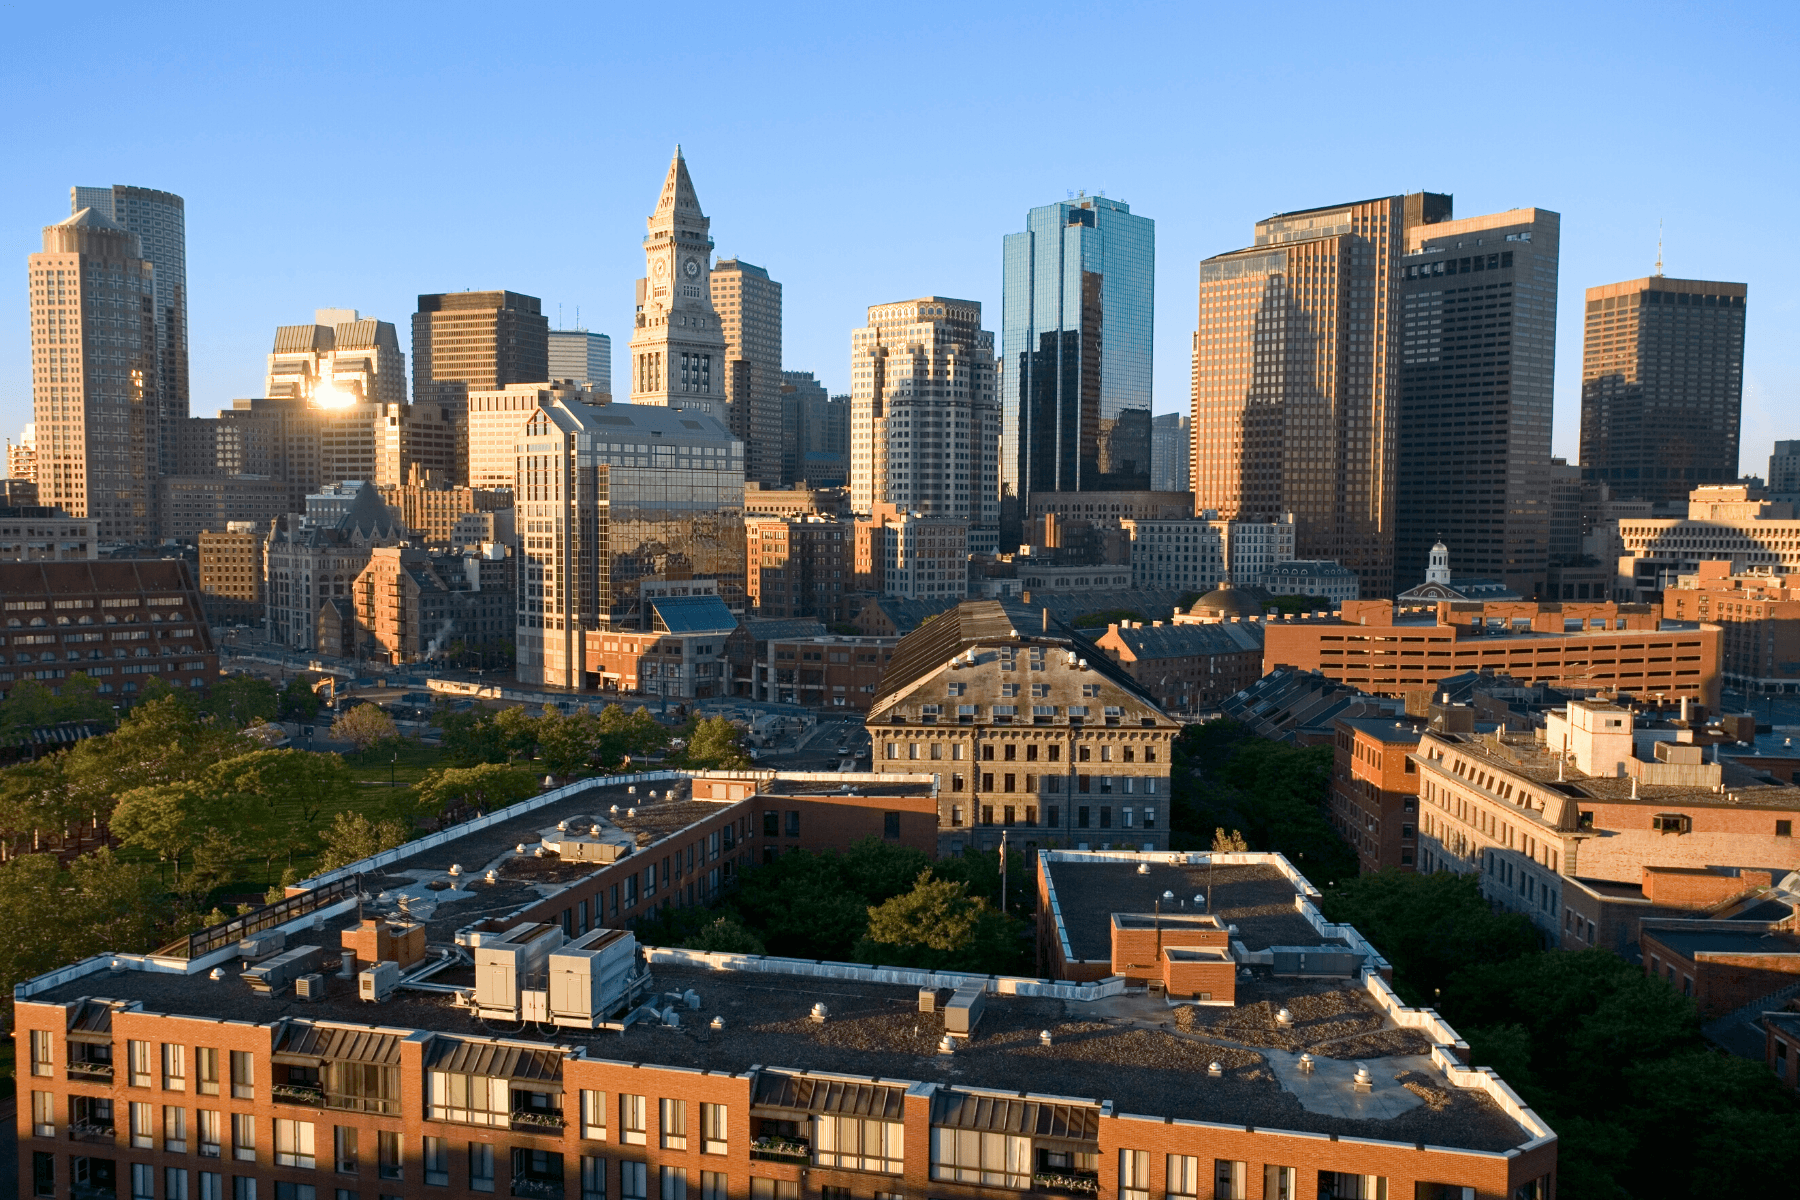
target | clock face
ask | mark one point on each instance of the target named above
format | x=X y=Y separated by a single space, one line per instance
x=661 y=268
x=692 y=268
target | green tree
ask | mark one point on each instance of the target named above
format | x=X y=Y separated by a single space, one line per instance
x=469 y=738
x=38 y=795
x=79 y=699
x=627 y=735
x=980 y=870
x=365 y=725
x=279 y=796
x=243 y=700
x=725 y=934
x=167 y=819
x=878 y=871
x=939 y=926
x=714 y=743
x=353 y=836
x=1429 y=926
x=801 y=908
x=517 y=731
x=298 y=701
x=481 y=788
x=55 y=917
x=159 y=741
x=568 y=744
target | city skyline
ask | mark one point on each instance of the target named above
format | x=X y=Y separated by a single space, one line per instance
x=1181 y=177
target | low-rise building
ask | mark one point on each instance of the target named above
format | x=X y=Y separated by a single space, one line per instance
x=684 y=654
x=38 y=533
x=1186 y=668
x=1303 y=707
x=800 y=500
x=821 y=670
x=1731 y=523
x=1759 y=615
x=410 y=604
x=314 y=556
x=1725 y=964
x=1029 y=735
x=799 y=566
x=1619 y=650
x=1325 y=578
x=1375 y=791
x=231 y=571
x=121 y=622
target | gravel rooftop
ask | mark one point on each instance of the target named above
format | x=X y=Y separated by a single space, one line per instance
x=1259 y=900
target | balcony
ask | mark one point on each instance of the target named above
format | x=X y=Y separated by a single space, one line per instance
x=92 y=1131
x=1067 y=1183
x=537 y=1189
x=88 y=1191
x=299 y=1093
x=94 y=1072
x=781 y=1149
x=536 y=1121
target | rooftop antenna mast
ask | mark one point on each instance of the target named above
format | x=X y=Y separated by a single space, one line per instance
x=1659 y=232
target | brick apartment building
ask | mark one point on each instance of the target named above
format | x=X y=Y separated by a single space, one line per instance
x=431 y=512
x=1727 y=964
x=511 y=1037
x=1027 y=736
x=1186 y=667
x=799 y=566
x=121 y=622
x=231 y=571
x=1590 y=826
x=409 y=604
x=1614 y=649
x=1759 y=614
x=1375 y=790
x=821 y=670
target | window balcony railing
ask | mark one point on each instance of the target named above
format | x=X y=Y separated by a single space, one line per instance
x=537 y=1189
x=91 y=1131
x=781 y=1149
x=527 y=1120
x=87 y=1191
x=299 y=1093
x=368 y=1104
x=1081 y=1183
x=90 y=1070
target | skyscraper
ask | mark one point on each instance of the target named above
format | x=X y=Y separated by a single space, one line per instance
x=475 y=341
x=924 y=420
x=1662 y=386
x=339 y=359
x=1077 y=310
x=1295 y=381
x=748 y=303
x=1171 y=441
x=581 y=357
x=94 y=375
x=821 y=431
x=677 y=342
x=1477 y=360
x=160 y=221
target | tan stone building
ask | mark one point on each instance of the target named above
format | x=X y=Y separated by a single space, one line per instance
x=231 y=570
x=94 y=376
x=494 y=419
x=1025 y=733
x=35 y=533
x=341 y=356
x=678 y=348
x=431 y=510
x=796 y=501
x=748 y=304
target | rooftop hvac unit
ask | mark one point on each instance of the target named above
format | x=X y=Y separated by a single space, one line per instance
x=590 y=978
x=378 y=982
x=963 y=1012
x=310 y=987
x=271 y=976
x=261 y=945
x=505 y=962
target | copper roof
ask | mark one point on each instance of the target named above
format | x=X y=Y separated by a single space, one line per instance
x=1001 y=1114
x=802 y=1093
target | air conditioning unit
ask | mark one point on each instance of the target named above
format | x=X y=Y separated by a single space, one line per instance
x=261 y=945
x=378 y=982
x=310 y=987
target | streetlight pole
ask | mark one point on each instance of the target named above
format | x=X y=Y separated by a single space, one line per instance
x=1003 y=833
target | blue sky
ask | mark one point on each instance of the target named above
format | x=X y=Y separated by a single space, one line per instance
x=868 y=153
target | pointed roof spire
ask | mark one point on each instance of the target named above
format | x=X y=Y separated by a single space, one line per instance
x=90 y=218
x=678 y=187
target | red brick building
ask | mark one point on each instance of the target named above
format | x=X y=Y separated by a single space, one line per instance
x=1375 y=790
x=1187 y=667
x=1760 y=616
x=799 y=566
x=1723 y=964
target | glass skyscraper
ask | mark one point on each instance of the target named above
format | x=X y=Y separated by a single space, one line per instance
x=1077 y=310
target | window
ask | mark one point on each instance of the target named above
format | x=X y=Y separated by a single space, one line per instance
x=174 y=1129
x=212 y=1186
x=481 y=1167
x=773 y=1189
x=593 y=1178
x=43 y=1114
x=1784 y=829
x=207 y=1130
x=1183 y=1176
x=890 y=825
x=293 y=1143
x=43 y=1060
x=1134 y=1174
x=344 y=1147
x=389 y=1163
x=437 y=1162
x=712 y=1129
x=471 y=1099
x=672 y=1124
x=634 y=1180
x=43 y=1173
x=714 y=1186
x=974 y=1156
x=206 y=1070
x=137 y=1063
x=295 y=1191
x=1230 y=1179
x=243 y=1137
x=1344 y=1185
x=593 y=1115
x=175 y=1184
x=633 y=1131
x=793 y=823
x=143 y=1181
x=174 y=1067
x=673 y=1183
x=243 y=1075
x=860 y=1145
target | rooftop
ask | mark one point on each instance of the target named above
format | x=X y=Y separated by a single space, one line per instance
x=1393 y=733
x=1697 y=938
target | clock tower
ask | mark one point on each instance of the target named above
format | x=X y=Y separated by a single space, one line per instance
x=677 y=344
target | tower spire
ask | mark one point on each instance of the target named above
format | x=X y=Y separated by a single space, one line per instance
x=1659 y=225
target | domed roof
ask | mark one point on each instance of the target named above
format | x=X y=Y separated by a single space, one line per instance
x=1226 y=601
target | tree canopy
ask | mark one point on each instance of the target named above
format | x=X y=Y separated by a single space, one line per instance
x=364 y=726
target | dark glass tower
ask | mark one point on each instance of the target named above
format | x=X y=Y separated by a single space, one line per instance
x=1076 y=316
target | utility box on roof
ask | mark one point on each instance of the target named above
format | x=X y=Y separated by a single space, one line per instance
x=400 y=942
x=590 y=976
x=963 y=1012
x=508 y=964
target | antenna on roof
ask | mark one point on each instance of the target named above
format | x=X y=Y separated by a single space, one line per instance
x=1659 y=225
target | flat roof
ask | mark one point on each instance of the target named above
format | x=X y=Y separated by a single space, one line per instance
x=1258 y=899
x=1522 y=755
x=1392 y=732
x=1723 y=940
x=1135 y=1051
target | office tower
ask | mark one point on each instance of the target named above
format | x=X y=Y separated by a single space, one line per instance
x=1295 y=378
x=21 y=457
x=924 y=419
x=1784 y=472
x=677 y=342
x=582 y=357
x=1477 y=357
x=822 y=431
x=342 y=358
x=748 y=304
x=799 y=566
x=95 y=377
x=1171 y=437
x=612 y=502
x=1662 y=386
x=495 y=419
x=476 y=341
x=1077 y=309
x=160 y=221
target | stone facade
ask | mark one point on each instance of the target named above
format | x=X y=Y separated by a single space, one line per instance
x=678 y=347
